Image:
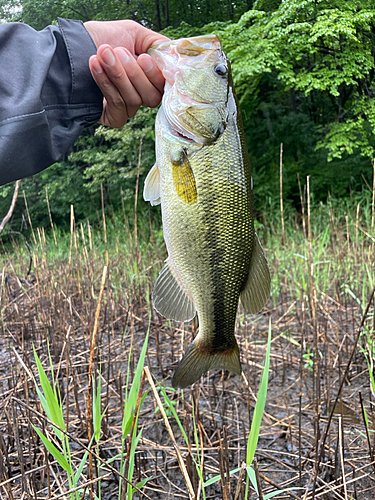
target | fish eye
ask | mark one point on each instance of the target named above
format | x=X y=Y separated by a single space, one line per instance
x=220 y=69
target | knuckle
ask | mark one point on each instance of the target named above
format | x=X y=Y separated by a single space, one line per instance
x=132 y=111
x=117 y=75
x=117 y=102
x=135 y=101
x=152 y=100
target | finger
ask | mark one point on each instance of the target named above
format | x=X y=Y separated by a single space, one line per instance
x=114 y=69
x=150 y=95
x=114 y=108
x=144 y=38
x=152 y=71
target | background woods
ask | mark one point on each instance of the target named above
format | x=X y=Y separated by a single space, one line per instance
x=304 y=75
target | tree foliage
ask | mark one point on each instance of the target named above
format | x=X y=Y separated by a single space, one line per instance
x=304 y=73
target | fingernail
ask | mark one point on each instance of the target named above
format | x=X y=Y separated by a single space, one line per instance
x=96 y=66
x=122 y=55
x=108 y=57
x=146 y=63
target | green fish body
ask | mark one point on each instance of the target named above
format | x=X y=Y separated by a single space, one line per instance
x=202 y=178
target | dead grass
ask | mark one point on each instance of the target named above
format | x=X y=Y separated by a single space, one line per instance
x=315 y=332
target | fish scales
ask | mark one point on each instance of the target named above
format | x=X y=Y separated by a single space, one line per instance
x=202 y=179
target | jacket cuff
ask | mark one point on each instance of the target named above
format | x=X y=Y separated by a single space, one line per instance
x=80 y=46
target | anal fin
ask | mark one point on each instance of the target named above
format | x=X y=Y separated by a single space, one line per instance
x=258 y=285
x=170 y=298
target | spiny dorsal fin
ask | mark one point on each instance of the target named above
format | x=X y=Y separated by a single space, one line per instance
x=258 y=285
x=170 y=298
x=197 y=362
x=151 y=190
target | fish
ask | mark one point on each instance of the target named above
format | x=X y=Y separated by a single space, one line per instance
x=202 y=180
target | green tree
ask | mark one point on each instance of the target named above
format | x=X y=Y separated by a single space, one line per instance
x=304 y=72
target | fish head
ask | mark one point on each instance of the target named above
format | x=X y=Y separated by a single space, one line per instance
x=197 y=79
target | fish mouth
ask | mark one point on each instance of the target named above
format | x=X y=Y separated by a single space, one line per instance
x=195 y=51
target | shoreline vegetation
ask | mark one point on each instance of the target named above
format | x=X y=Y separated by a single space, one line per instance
x=322 y=278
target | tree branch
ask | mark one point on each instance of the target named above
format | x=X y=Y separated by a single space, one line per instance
x=11 y=209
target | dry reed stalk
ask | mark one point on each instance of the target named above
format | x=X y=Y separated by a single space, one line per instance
x=368 y=236
x=84 y=485
x=136 y=209
x=357 y=226
x=311 y=262
x=201 y=428
x=277 y=486
x=241 y=477
x=91 y=363
x=126 y=220
x=343 y=379
x=71 y=236
x=29 y=218
x=373 y=200
x=371 y=454
x=50 y=218
x=170 y=432
x=19 y=450
x=257 y=477
x=313 y=308
x=76 y=440
x=224 y=476
x=341 y=447
x=302 y=198
x=347 y=232
x=281 y=195
x=104 y=226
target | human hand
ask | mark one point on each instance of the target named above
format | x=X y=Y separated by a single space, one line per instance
x=127 y=76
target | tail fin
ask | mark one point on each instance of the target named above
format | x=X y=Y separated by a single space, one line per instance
x=198 y=361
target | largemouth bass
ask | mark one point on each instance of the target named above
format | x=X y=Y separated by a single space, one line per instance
x=202 y=178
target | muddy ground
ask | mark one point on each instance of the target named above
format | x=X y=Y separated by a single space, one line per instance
x=311 y=348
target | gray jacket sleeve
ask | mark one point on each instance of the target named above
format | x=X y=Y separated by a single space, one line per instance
x=47 y=94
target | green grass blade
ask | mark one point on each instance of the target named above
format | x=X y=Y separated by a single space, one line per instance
x=251 y=474
x=259 y=407
x=142 y=483
x=54 y=451
x=131 y=402
x=279 y=492
x=174 y=413
x=370 y=373
x=83 y=463
x=217 y=478
x=96 y=403
x=52 y=406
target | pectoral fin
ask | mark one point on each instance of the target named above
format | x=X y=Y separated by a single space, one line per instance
x=183 y=177
x=258 y=285
x=170 y=298
x=151 y=190
x=197 y=361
